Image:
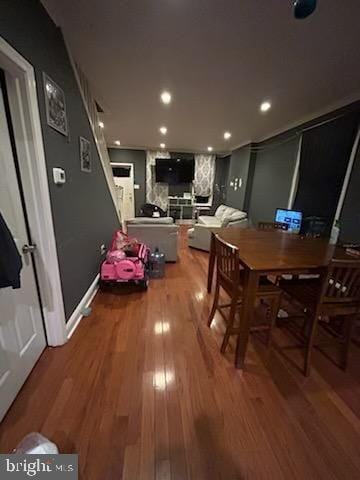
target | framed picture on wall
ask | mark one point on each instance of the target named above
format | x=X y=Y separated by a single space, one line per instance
x=85 y=155
x=55 y=106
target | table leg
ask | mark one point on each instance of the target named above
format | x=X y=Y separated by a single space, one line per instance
x=246 y=316
x=211 y=263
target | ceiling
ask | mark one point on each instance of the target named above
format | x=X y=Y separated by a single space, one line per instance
x=219 y=59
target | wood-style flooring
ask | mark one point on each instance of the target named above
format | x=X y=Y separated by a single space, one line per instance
x=142 y=392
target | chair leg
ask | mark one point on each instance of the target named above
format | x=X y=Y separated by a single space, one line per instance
x=215 y=303
x=348 y=326
x=304 y=326
x=230 y=325
x=275 y=307
x=309 y=346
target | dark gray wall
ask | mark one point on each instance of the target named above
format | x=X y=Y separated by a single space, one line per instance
x=250 y=179
x=83 y=212
x=272 y=178
x=138 y=159
x=238 y=168
x=350 y=215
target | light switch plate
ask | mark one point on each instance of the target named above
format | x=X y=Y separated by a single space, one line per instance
x=59 y=176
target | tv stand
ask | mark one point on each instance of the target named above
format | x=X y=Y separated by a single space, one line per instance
x=184 y=206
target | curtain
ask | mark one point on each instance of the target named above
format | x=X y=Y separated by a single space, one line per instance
x=350 y=215
x=204 y=175
x=325 y=153
x=156 y=193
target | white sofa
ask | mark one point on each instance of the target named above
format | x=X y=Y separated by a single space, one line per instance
x=200 y=236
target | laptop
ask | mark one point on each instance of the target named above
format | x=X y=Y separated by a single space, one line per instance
x=292 y=218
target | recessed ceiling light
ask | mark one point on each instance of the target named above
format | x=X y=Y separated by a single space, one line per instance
x=163 y=130
x=117 y=142
x=265 y=106
x=101 y=124
x=227 y=135
x=162 y=145
x=166 y=97
x=210 y=149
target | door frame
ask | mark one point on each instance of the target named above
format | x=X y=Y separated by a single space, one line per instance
x=124 y=164
x=131 y=165
x=21 y=89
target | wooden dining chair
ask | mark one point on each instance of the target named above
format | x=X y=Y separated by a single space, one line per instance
x=273 y=226
x=230 y=277
x=336 y=293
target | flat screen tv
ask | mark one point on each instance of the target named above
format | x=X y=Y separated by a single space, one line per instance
x=291 y=217
x=174 y=170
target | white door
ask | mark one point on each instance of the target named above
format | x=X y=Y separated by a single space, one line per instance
x=124 y=177
x=22 y=337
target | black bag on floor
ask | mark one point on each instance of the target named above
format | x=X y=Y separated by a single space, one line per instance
x=148 y=210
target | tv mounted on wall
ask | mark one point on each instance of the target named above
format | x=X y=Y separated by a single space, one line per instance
x=174 y=170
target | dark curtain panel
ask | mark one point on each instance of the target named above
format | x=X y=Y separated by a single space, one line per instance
x=272 y=176
x=350 y=215
x=324 y=158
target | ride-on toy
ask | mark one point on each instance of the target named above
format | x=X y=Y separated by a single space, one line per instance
x=126 y=261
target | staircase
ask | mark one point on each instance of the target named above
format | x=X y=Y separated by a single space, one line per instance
x=92 y=112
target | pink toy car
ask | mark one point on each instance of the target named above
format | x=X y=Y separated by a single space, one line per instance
x=126 y=261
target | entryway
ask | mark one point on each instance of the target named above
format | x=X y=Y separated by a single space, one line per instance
x=22 y=336
x=124 y=177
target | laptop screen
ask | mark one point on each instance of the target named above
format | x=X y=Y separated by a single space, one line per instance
x=291 y=217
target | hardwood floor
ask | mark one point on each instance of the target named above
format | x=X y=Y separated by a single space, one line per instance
x=142 y=392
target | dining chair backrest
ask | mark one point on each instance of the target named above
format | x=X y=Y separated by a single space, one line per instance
x=343 y=282
x=228 y=264
x=273 y=226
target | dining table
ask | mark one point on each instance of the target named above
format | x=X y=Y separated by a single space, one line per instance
x=268 y=253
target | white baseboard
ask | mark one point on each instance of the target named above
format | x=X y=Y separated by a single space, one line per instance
x=77 y=315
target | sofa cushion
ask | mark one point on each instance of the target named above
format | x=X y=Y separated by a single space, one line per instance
x=234 y=216
x=223 y=212
x=151 y=221
x=209 y=221
x=220 y=211
x=190 y=233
